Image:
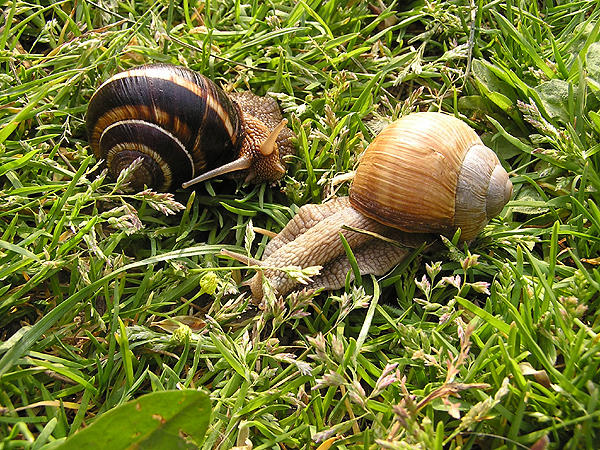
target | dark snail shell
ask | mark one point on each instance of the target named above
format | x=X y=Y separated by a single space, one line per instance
x=177 y=120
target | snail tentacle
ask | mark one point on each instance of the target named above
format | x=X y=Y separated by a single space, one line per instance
x=270 y=144
x=242 y=163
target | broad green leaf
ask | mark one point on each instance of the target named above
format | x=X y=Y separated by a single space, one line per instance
x=592 y=63
x=499 y=92
x=555 y=98
x=159 y=420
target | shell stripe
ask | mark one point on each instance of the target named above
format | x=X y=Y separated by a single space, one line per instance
x=127 y=113
x=162 y=74
x=167 y=173
x=201 y=162
x=161 y=161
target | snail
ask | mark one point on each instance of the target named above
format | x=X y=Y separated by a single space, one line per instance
x=185 y=128
x=424 y=175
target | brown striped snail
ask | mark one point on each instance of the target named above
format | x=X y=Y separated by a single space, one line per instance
x=185 y=128
x=425 y=174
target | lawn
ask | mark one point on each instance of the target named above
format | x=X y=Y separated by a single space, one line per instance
x=107 y=295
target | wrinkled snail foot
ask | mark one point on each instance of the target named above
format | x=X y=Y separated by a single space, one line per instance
x=312 y=238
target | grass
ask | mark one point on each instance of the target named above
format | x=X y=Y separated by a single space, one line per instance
x=105 y=296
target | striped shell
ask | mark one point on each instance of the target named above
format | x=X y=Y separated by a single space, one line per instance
x=183 y=126
x=430 y=173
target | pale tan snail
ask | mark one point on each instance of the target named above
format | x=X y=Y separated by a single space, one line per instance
x=185 y=128
x=424 y=175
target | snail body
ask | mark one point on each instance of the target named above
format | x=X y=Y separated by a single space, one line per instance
x=424 y=175
x=185 y=128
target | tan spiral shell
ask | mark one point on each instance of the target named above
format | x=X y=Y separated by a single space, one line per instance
x=430 y=173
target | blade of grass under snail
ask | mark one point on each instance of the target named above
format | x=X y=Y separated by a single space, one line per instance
x=353 y=264
x=364 y=331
